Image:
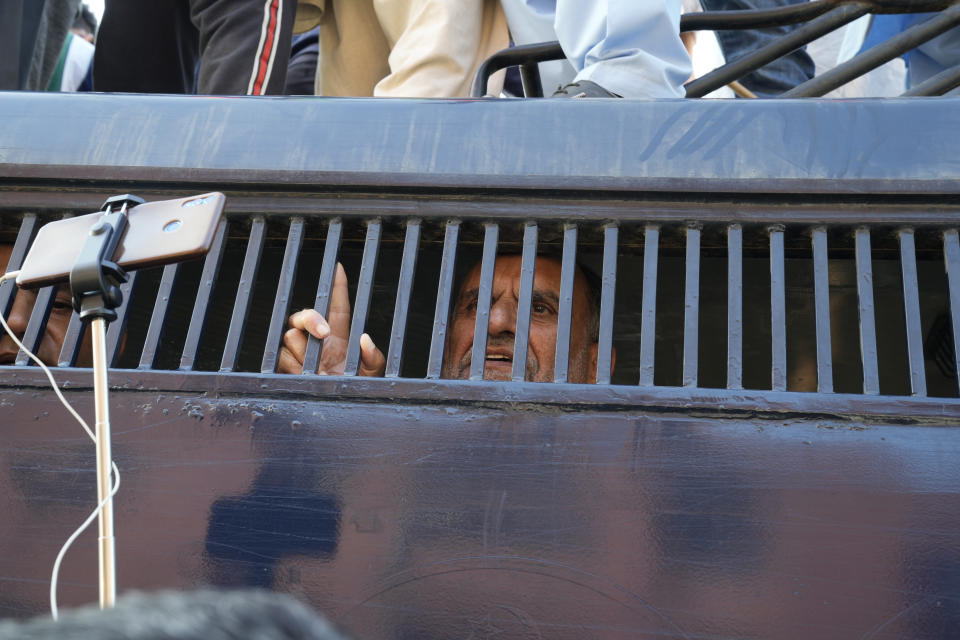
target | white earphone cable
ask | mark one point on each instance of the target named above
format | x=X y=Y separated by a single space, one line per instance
x=116 y=472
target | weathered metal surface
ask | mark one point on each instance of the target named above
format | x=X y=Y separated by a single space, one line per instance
x=148 y=357
x=735 y=307
x=411 y=519
x=778 y=313
x=244 y=297
x=425 y=508
x=361 y=305
x=648 y=311
x=859 y=145
x=411 y=245
x=524 y=304
x=211 y=266
x=715 y=402
x=822 y=295
x=911 y=309
x=866 y=314
x=281 y=301
x=38 y=319
x=484 y=294
x=607 y=301
x=564 y=319
x=18 y=252
x=438 y=338
x=324 y=286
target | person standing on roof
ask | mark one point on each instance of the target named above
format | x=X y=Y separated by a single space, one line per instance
x=74 y=67
x=31 y=38
x=211 y=47
x=403 y=48
x=777 y=76
x=617 y=48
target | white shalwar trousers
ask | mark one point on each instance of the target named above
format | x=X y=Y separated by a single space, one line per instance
x=629 y=47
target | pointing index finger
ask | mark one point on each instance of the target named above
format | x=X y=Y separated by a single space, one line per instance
x=339 y=315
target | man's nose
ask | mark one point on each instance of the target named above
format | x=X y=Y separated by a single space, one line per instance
x=503 y=316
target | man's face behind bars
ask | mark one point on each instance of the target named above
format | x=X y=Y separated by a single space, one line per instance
x=541 y=352
x=52 y=341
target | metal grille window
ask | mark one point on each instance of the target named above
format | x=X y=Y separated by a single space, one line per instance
x=830 y=307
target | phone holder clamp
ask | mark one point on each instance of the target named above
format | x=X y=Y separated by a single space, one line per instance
x=95 y=278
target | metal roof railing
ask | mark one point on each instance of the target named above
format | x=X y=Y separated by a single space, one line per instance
x=818 y=18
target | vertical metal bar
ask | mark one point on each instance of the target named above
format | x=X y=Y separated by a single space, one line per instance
x=691 y=307
x=607 y=296
x=821 y=304
x=241 y=306
x=37 y=323
x=911 y=308
x=211 y=266
x=36 y=326
x=951 y=256
x=148 y=357
x=530 y=79
x=321 y=303
x=734 y=307
x=778 y=310
x=441 y=316
x=408 y=266
x=568 y=269
x=71 y=341
x=868 y=329
x=361 y=307
x=525 y=303
x=8 y=290
x=648 y=305
x=281 y=301
x=479 y=356
x=116 y=329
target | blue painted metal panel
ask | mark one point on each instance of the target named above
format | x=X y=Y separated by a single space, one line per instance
x=406 y=520
x=634 y=144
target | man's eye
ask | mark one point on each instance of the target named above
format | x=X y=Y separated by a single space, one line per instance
x=541 y=309
x=62 y=305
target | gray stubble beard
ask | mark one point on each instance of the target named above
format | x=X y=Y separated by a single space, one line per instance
x=461 y=371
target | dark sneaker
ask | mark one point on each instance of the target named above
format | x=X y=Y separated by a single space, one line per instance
x=583 y=89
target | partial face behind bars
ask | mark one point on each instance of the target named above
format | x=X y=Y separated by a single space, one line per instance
x=504 y=301
x=52 y=340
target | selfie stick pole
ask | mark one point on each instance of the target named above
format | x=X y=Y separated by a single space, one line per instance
x=95 y=285
x=107 y=557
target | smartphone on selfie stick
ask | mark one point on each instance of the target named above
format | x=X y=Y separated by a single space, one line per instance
x=93 y=252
